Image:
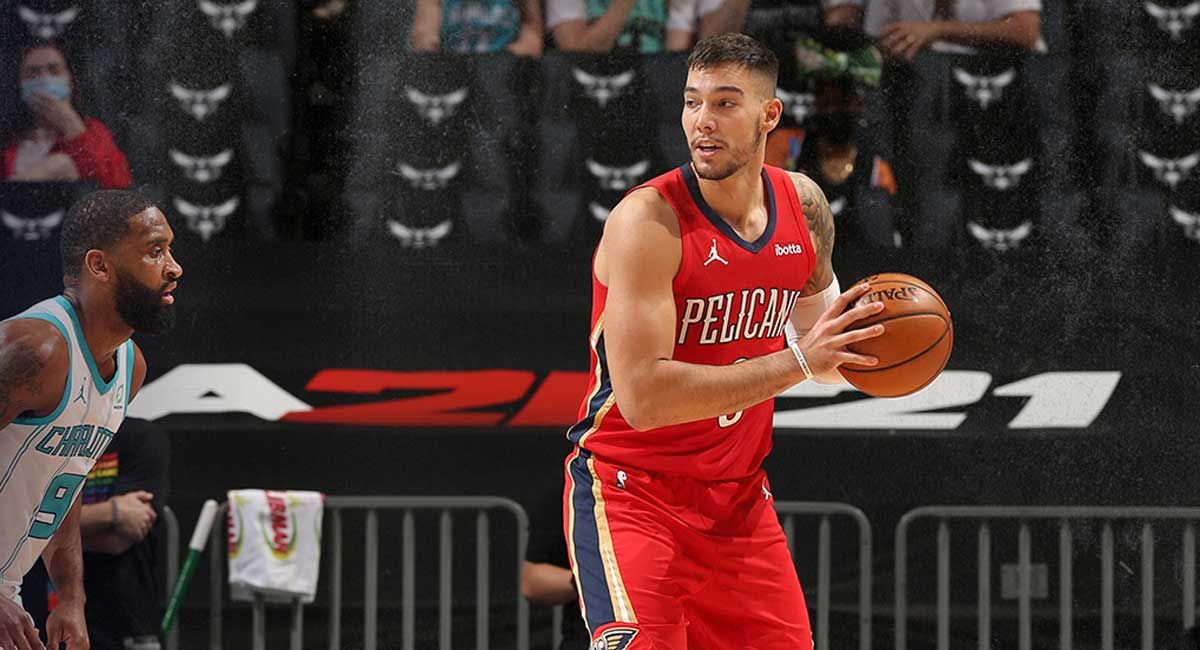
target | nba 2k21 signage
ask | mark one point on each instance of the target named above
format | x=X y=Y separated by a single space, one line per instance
x=521 y=398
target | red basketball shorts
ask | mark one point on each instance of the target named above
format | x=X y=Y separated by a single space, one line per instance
x=675 y=563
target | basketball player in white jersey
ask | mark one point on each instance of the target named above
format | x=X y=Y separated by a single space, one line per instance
x=68 y=370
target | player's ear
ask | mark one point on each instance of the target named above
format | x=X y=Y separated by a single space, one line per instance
x=772 y=114
x=95 y=265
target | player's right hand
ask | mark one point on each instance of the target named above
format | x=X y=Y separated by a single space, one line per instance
x=135 y=515
x=16 y=628
x=824 y=346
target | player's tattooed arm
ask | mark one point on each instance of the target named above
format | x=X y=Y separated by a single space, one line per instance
x=33 y=368
x=820 y=230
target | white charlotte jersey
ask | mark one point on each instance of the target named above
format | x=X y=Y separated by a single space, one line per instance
x=45 y=460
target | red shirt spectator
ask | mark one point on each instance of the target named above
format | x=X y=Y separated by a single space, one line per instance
x=56 y=142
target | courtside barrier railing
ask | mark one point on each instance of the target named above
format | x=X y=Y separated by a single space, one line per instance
x=1065 y=518
x=789 y=511
x=335 y=506
x=172 y=524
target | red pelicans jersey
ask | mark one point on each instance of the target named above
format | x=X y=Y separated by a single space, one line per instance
x=732 y=300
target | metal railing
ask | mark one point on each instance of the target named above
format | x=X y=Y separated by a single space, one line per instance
x=789 y=510
x=1064 y=516
x=172 y=524
x=332 y=544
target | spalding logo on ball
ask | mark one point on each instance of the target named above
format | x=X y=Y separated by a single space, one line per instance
x=917 y=339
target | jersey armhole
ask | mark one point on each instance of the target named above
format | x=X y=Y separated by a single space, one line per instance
x=62 y=403
x=129 y=358
x=682 y=272
x=793 y=198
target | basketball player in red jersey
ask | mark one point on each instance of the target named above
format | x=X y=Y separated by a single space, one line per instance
x=713 y=292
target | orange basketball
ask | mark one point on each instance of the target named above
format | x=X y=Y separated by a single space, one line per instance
x=917 y=339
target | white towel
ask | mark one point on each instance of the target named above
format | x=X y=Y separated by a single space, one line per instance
x=274 y=543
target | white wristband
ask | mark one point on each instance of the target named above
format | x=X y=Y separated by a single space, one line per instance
x=795 y=346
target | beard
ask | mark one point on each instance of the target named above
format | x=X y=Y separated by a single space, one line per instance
x=739 y=158
x=142 y=307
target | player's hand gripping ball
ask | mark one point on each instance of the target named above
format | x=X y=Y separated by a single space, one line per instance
x=915 y=345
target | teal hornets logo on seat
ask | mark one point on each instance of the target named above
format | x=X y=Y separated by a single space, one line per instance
x=615 y=638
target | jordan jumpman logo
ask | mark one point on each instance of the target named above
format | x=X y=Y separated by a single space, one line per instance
x=714 y=256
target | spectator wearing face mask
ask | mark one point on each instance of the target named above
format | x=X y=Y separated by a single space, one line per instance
x=51 y=140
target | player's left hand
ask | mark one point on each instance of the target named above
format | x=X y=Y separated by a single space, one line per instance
x=58 y=113
x=906 y=38
x=66 y=625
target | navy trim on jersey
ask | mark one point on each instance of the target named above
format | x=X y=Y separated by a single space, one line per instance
x=62 y=404
x=575 y=433
x=585 y=538
x=101 y=386
x=693 y=185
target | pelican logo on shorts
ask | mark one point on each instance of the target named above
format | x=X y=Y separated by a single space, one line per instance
x=1174 y=20
x=435 y=108
x=201 y=169
x=798 y=105
x=227 y=18
x=200 y=103
x=603 y=89
x=234 y=527
x=1180 y=105
x=413 y=237
x=1000 y=240
x=1188 y=221
x=984 y=90
x=32 y=229
x=1170 y=171
x=621 y=478
x=47 y=26
x=279 y=526
x=598 y=212
x=615 y=638
x=207 y=220
x=617 y=179
x=1000 y=177
x=428 y=179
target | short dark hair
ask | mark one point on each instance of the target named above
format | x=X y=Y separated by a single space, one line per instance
x=735 y=49
x=98 y=220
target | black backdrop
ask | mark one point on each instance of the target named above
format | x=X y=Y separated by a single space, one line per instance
x=294 y=312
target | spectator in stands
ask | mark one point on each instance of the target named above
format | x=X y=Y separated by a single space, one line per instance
x=51 y=139
x=478 y=26
x=905 y=27
x=720 y=17
x=646 y=26
x=122 y=560
x=546 y=578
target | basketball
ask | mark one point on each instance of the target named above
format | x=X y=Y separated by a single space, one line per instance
x=917 y=339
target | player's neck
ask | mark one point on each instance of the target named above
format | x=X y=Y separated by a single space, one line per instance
x=102 y=326
x=736 y=199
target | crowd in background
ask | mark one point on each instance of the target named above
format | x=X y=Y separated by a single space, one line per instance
x=929 y=124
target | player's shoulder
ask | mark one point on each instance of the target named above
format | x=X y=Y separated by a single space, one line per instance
x=642 y=209
x=35 y=338
x=35 y=361
x=804 y=185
